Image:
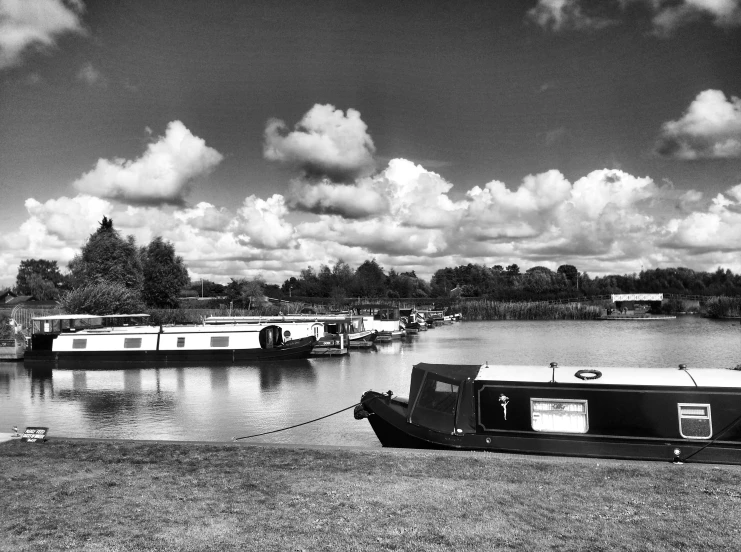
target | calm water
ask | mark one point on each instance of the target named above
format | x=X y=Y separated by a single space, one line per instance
x=215 y=403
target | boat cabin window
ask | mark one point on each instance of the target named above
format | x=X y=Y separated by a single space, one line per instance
x=132 y=342
x=559 y=415
x=435 y=405
x=219 y=341
x=695 y=421
x=181 y=342
x=79 y=343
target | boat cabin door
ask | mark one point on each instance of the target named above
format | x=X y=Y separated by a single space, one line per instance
x=270 y=337
x=443 y=404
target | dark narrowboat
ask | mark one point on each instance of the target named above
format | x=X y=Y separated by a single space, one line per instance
x=632 y=413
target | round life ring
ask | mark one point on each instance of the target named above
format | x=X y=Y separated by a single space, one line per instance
x=588 y=374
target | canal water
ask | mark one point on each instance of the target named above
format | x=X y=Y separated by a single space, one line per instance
x=218 y=402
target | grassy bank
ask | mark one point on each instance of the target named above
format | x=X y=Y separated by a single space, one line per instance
x=134 y=496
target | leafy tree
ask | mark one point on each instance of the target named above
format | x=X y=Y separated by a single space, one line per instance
x=569 y=271
x=370 y=281
x=513 y=270
x=253 y=291
x=102 y=298
x=164 y=274
x=246 y=292
x=40 y=278
x=207 y=288
x=108 y=257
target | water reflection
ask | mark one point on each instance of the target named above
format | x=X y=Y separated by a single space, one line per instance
x=273 y=375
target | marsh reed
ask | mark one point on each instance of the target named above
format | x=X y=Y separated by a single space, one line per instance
x=531 y=310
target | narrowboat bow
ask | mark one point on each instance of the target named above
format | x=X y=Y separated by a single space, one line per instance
x=631 y=413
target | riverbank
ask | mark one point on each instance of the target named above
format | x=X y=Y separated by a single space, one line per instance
x=119 y=495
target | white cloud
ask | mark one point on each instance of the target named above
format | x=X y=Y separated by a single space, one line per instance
x=91 y=76
x=560 y=15
x=666 y=16
x=710 y=129
x=349 y=201
x=29 y=24
x=162 y=175
x=670 y=15
x=607 y=221
x=325 y=143
x=262 y=224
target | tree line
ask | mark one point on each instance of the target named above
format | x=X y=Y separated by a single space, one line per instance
x=112 y=274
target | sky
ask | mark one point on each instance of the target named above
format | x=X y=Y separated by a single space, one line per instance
x=262 y=138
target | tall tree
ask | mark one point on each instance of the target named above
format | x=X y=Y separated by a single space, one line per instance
x=40 y=278
x=370 y=281
x=164 y=274
x=107 y=257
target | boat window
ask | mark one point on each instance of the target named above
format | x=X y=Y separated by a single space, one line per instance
x=132 y=342
x=220 y=341
x=181 y=342
x=559 y=415
x=79 y=343
x=695 y=421
x=435 y=405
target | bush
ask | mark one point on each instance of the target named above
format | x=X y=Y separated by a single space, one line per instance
x=102 y=298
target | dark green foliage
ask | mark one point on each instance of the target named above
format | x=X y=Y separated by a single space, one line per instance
x=102 y=298
x=370 y=281
x=164 y=274
x=40 y=278
x=108 y=257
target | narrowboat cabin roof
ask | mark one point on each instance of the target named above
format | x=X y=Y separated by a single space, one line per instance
x=578 y=375
x=89 y=316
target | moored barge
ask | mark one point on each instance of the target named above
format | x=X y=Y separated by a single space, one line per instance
x=631 y=413
x=72 y=340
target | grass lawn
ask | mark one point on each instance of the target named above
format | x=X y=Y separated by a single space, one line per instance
x=92 y=495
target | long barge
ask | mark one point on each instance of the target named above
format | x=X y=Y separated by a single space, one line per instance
x=71 y=340
x=666 y=414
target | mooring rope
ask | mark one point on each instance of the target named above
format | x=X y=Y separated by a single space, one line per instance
x=717 y=436
x=297 y=425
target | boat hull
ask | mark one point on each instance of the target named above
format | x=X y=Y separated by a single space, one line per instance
x=296 y=349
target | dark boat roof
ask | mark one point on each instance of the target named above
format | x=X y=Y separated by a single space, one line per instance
x=454 y=371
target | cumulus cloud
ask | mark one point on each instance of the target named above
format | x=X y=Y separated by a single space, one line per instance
x=352 y=202
x=669 y=15
x=91 y=76
x=162 y=175
x=606 y=221
x=262 y=223
x=716 y=230
x=665 y=15
x=26 y=25
x=561 y=15
x=326 y=143
x=710 y=129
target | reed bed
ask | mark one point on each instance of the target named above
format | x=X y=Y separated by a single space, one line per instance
x=538 y=310
x=723 y=307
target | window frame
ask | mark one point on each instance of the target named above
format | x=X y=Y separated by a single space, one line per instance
x=583 y=402
x=708 y=417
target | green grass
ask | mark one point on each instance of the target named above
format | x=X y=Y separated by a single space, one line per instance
x=81 y=495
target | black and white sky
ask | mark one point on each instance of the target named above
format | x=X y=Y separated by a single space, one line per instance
x=263 y=137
